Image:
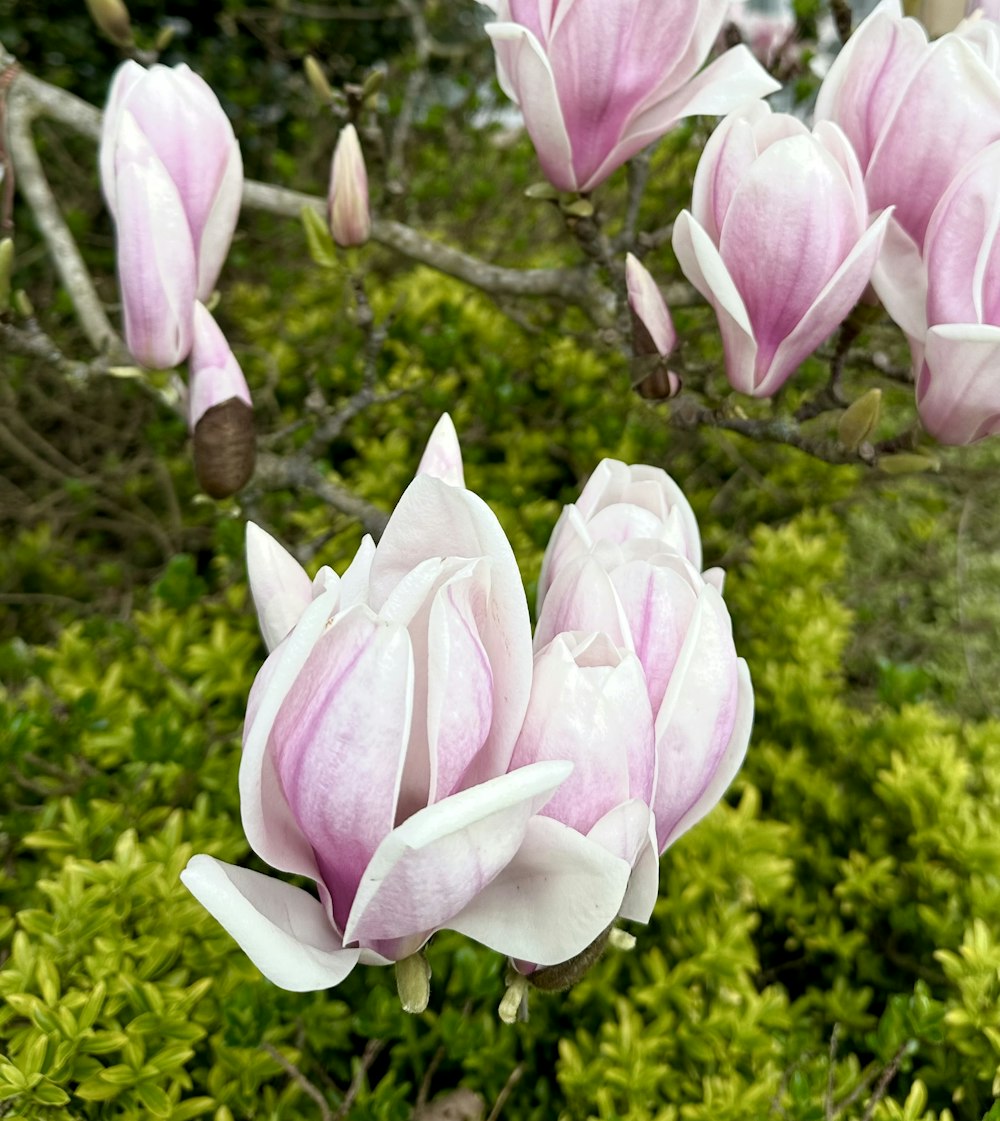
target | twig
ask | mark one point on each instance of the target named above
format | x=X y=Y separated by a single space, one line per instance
x=512 y=1080
x=371 y=1052
x=21 y=110
x=299 y=472
x=300 y=1080
x=890 y=1072
x=638 y=177
x=828 y=1096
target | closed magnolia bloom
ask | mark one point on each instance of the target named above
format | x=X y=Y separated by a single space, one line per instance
x=915 y=112
x=618 y=503
x=220 y=412
x=778 y=240
x=766 y=28
x=958 y=384
x=172 y=176
x=652 y=326
x=589 y=706
x=649 y=600
x=378 y=739
x=347 y=205
x=598 y=80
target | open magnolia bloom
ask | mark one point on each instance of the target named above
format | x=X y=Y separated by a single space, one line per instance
x=778 y=240
x=598 y=80
x=377 y=746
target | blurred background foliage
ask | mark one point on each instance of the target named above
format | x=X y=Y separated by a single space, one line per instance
x=827 y=935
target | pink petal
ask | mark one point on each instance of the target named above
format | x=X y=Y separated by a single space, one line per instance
x=339 y=743
x=870 y=75
x=429 y=868
x=271 y=829
x=215 y=375
x=279 y=585
x=830 y=308
x=729 y=763
x=283 y=930
x=647 y=303
x=551 y=901
x=725 y=84
x=696 y=720
x=701 y=264
x=156 y=263
x=589 y=706
x=958 y=394
x=527 y=77
x=582 y=598
x=442 y=458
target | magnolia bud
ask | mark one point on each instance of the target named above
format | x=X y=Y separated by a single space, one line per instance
x=350 y=221
x=6 y=268
x=317 y=79
x=112 y=18
x=220 y=412
x=860 y=419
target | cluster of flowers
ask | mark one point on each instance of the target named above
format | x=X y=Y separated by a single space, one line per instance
x=924 y=120
x=409 y=748
x=894 y=184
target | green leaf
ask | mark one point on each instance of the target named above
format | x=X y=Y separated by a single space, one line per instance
x=318 y=239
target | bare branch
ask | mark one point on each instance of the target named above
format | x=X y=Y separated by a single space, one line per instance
x=31 y=181
x=300 y=1080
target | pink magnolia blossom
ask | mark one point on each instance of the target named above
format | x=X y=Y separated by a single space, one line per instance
x=990 y=9
x=347 y=205
x=618 y=503
x=598 y=80
x=778 y=240
x=958 y=384
x=589 y=706
x=378 y=739
x=766 y=32
x=172 y=177
x=216 y=376
x=914 y=111
x=649 y=308
x=649 y=600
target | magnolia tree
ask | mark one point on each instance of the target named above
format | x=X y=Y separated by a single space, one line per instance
x=410 y=747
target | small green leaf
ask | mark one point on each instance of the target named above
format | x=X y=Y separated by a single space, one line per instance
x=318 y=239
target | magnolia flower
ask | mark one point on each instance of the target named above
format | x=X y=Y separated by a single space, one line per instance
x=590 y=706
x=347 y=205
x=220 y=412
x=778 y=240
x=915 y=112
x=649 y=601
x=620 y=503
x=958 y=382
x=377 y=745
x=598 y=80
x=172 y=177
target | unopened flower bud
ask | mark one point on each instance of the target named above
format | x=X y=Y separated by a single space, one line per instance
x=112 y=18
x=317 y=79
x=23 y=305
x=350 y=220
x=908 y=463
x=220 y=412
x=652 y=328
x=860 y=419
x=373 y=83
x=413 y=977
x=6 y=268
x=164 y=37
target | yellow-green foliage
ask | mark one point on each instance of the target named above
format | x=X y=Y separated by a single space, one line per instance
x=850 y=880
